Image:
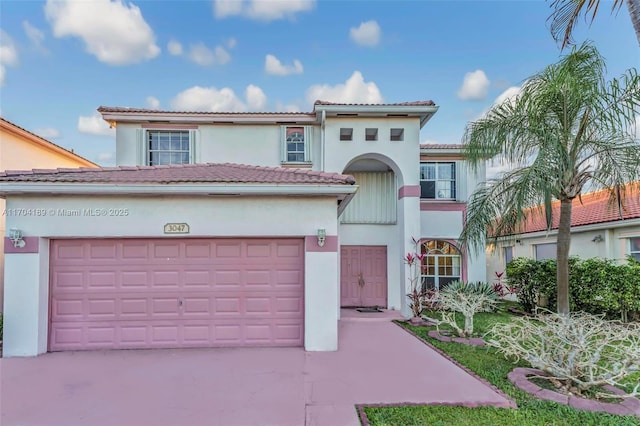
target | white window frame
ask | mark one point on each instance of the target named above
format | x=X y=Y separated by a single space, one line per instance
x=555 y=248
x=144 y=151
x=508 y=249
x=308 y=131
x=454 y=182
x=439 y=256
x=634 y=253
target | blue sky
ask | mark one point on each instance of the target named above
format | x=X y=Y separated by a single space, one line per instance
x=60 y=60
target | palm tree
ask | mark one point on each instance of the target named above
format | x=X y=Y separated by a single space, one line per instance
x=567 y=128
x=567 y=12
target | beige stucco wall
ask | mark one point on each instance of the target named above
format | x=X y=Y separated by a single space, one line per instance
x=614 y=244
x=20 y=151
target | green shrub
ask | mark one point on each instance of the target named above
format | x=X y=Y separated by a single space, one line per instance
x=596 y=286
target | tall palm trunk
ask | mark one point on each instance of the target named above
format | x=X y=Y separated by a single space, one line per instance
x=562 y=263
x=634 y=12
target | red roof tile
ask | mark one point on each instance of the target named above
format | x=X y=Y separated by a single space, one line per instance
x=414 y=103
x=200 y=173
x=108 y=109
x=440 y=146
x=593 y=209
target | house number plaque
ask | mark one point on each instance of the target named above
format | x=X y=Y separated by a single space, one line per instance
x=176 y=228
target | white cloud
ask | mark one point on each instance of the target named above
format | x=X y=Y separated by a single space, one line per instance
x=354 y=90
x=475 y=86
x=106 y=157
x=287 y=107
x=47 y=132
x=261 y=10
x=152 y=102
x=367 y=34
x=273 y=66
x=35 y=35
x=231 y=43
x=112 y=31
x=8 y=51
x=95 y=125
x=174 y=47
x=199 y=98
x=202 y=55
x=508 y=95
x=8 y=55
x=256 y=99
x=212 y=99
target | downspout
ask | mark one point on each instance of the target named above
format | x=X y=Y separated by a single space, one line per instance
x=322 y=141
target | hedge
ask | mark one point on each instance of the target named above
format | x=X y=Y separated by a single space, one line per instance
x=597 y=286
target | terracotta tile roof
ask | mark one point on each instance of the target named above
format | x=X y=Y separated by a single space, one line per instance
x=42 y=141
x=108 y=109
x=593 y=209
x=199 y=173
x=414 y=103
x=440 y=146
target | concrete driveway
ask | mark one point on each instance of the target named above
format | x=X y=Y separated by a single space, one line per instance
x=377 y=363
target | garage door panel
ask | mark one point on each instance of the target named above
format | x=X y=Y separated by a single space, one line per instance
x=176 y=293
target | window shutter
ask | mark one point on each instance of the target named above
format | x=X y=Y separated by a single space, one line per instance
x=283 y=144
x=141 y=150
x=194 y=148
x=308 y=132
x=461 y=181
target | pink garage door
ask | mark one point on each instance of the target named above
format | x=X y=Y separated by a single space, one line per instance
x=171 y=293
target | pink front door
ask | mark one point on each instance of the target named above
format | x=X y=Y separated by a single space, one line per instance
x=168 y=293
x=363 y=276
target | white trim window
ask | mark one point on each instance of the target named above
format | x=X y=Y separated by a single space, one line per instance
x=162 y=147
x=508 y=255
x=545 y=251
x=441 y=265
x=634 y=248
x=438 y=180
x=296 y=144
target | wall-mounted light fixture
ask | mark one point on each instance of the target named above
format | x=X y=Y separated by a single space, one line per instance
x=519 y=242
x=15 y=235
x=597 y=238
x=322 y=236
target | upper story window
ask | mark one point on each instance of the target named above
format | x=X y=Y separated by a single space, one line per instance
x=545 y=251
x=371 y=134
x=346 y=133
x=438 y=180
x=166 y=147
x=296 y=144
x=396 y=134
x=634 y=248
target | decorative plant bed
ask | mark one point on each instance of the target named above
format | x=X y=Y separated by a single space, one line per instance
x=443 y=337
x=520 y=378
x=420 y=322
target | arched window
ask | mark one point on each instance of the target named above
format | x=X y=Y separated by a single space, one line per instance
x=441 y=264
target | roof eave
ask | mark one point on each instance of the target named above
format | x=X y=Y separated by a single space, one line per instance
x=202 y=189
x=207 y=118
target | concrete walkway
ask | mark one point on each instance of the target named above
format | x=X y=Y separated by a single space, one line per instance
x=377 y=363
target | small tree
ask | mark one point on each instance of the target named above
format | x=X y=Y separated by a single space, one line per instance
x=468 y=299
x=579 y=351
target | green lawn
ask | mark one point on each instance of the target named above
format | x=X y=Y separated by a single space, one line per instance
x=494 y=368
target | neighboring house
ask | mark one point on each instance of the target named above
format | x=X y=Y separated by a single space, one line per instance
x=598 y=229
x=20 y=149
x=235 y=229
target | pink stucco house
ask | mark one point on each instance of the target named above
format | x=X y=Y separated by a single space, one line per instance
x=234 y=229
